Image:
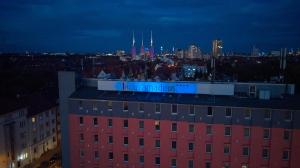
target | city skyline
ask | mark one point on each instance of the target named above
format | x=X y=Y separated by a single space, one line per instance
x=107 y=26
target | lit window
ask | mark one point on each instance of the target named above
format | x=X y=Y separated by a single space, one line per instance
x=33 y=119
x=157 y=125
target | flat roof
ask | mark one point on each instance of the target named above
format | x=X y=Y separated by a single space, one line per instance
x=288 y=102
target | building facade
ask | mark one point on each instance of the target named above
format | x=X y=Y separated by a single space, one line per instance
x=139 y=126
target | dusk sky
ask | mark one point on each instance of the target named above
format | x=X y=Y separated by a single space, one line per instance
x=98 y=25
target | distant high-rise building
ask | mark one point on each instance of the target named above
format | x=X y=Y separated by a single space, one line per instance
x=217 y=48
x=133 y=50
x=142 y=51
x=151 y=47
x=194 y=52
x=255 y=52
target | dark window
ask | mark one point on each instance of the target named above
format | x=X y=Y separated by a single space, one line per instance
x=95 y=121
x=192 y=110
x=208 y=148
x=157 y=160
x=246 y=132
x=141 y=107
x=174 y=108
x=125 y=157
x=141 y=142
x=96 y=154
x=209 y=111
x=207 y=165
x=174 y=145
x=110 y=123
x=81 y=137
x=227 y=131
x=174 y=127
x=285 y=155
x=226 y=148
x=109 y=105
x=286 y=135
x=80 y=120
x=173 y=163
x=110 y=139
x=245 y=151
x=191 y=128
x=142 y=159
x=265 y=153
x=125 y=123
x=125 y=106
x=266 y=133
x=157 y=125
x=288 y=115
x=96 y=139
x=208 y=130
x=191 y=164
x=247 y=114
x=267 y=114
x=141 y=124
x=191 y=146
x=157 y=108
x=81 y=153
x=110 y=155
x=228 y=112
x=157 y=143
x=125 y=140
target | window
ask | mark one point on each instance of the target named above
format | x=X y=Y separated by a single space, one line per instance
x=80 y=120
x=192 y=110
x=81 y=137
x=245 y=151
x=191 y=164
x=288 y=116
x=110 y=155
x=174 y=108
x=96 y=154
x=96 y=139
x=173 y=163
x=191 y=146
x=81 y=153
x=252 y=90
x=285 y=154
x=157 y=160
x=80 y=105
x=141 y=142
x=110 y=139
x=191 y=128
x=141 y=124
x=226 y=149
x=125 y=123
x=157 y=143
x=266 y=133
x=174 y=145
x=265 y=153
x=109 y=106
x=33 y=119
x=227 y=131
x=174 y=127
x=228 y=112
x=247 y=114
x=125 y=141
x=208 y=148
x=109 y=122
x=125 y=157
x=142 y=159
x=157 y=125
x=157 y=108
x=141 y=107
x=267 y=114
x=125 y=106
x=209 y=111
x=246 y=132
x=286 y=135
x=208 y=129
x=95 y=108
x=207 y=165
x=95 y=121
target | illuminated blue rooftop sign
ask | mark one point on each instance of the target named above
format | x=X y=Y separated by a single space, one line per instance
x=167 y=87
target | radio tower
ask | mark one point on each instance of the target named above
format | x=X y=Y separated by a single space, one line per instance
x=133 y=50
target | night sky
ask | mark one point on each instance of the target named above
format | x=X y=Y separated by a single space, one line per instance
x=107 y=25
